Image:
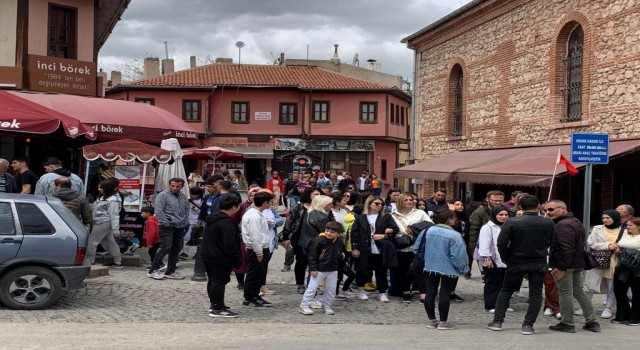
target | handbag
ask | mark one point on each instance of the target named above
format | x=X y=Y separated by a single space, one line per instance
x=403 y=241
x=590 y=261
x=603 y=257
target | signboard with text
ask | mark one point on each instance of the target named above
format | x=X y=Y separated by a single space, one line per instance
x=590 y=148
x=130 y=186
x=54 y=74
x=263 y=115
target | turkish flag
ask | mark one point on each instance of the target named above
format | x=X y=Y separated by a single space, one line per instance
x=570 y=168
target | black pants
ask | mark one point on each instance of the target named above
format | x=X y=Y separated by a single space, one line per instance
x=435 y=280
x=170 y=244
x=253 y=278
x=512 y=279
x=219 y=276
x=345 y=270
x=403 y=276
x=301 y=264
x=493 y=279
x=266 y=257
x=153 y=250
x=374 y=265
x=623 y=279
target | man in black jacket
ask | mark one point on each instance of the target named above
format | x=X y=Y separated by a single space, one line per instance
x=221 y=252
x=523 y=244
x=566 y=258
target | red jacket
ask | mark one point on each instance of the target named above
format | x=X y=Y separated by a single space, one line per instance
x=151 y=227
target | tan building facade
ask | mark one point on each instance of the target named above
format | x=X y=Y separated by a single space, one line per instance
x=526 y=73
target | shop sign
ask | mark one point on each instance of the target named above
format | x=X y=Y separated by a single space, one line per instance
x=324 y=145
x=263 y=115
x=54 y=74
x=130 y=186
x=229 y=142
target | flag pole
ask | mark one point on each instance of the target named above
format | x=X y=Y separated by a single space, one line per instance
x=555 y=168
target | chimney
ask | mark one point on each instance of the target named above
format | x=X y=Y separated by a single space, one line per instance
x=192 y=62
x=167 y=66
x=335 y=59
x=281 y=59
x=103 y=75
x=224 y=60
x=373 y=65
x=151 y=67
x=116 y=78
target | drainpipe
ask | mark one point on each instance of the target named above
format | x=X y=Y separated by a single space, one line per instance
x=412 y=126
x=207 y=120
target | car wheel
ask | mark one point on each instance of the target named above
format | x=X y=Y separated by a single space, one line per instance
x=30 y=288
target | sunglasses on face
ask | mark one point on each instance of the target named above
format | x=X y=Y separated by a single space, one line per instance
x=551 y=209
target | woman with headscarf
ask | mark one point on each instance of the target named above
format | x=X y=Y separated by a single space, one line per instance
x=604 y=238
x=494 y=268
x=292 y=230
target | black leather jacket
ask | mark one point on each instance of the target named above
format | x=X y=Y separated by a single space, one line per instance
x=313 y=226
x=525 y=239
x=292 y=226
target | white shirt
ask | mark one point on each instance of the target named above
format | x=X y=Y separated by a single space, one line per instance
x=413 y=217
x=372 y=224
x=255 y=230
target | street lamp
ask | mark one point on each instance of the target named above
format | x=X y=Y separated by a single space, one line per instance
x=239 y=45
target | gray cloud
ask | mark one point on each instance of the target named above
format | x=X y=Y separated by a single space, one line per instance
x=204 y=28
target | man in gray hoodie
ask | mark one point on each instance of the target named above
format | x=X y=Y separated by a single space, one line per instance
x=172 y=211
x=73 y=200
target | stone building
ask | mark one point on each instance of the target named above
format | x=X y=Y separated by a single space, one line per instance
x=521 y=74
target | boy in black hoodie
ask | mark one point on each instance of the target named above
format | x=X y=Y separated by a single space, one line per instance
x=325 y=253
x=221 y=253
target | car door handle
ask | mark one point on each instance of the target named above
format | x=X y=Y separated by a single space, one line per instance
x=11 y=240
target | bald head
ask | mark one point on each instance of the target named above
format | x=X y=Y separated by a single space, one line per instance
x=63 y=182
x=626 y=212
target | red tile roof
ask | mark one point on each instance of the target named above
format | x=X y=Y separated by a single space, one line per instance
x=303 y=77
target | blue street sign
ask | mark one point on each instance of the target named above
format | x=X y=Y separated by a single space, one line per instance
x=590 y=148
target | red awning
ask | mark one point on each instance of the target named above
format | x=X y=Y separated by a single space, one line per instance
x=21 y=115
x=127 y=150
x=528 y=166
x=116 y=119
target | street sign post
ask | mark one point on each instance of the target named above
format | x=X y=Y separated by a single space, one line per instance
x=589 y=149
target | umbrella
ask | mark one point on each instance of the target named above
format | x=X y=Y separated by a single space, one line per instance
x=213 y=152
x=21 y=115
x=167 y=171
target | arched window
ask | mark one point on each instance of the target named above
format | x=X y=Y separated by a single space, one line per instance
x=457 y=93
x=573 y=67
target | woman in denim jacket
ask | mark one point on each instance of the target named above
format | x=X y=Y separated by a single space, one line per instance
x=445 y=259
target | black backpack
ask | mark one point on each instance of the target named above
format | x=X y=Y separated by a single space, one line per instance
x=417 y=265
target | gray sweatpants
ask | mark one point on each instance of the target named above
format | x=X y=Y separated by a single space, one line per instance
x=102 y=234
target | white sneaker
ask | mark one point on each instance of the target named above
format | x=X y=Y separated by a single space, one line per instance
x=362 y=296
x=347 y=294
x=559 y=316
x=305 y=311
x=156 y=275
x=383 y=297
x=548 y=312
x=315 y=305
x=492 y=311
x=509 y=309
x=174 y=276
x=328 y=311
x=606 y=313
x=577 y=312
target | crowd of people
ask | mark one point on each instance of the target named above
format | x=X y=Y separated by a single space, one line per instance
x=340 y=233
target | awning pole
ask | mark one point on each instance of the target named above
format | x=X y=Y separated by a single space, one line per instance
x=144 y=178
x=86 y=177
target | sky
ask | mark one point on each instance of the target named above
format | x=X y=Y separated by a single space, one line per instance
x=208 y=29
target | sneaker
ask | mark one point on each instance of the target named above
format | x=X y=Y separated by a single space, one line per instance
x=606 y=313
x=315 y=305
x=558 y=316
x=133 y=248
x=252 y=303
x=563 y=327
x=174 y=276
x=495 y=326
x=432 y=324
x=223 y=308
x=163 y=268
x=116 y=266
x=456 y=297
x=445 y=326
x=223 y=314
x=592 y=326
x=240 y=286
x=407 y=298
x=348 y=294
x=183 y=256
x=263 y=302
x=527 y=329
x=613 y=320
x=383 y=297
x=156 y=275
x=632 y=323
x=305 y=311
x=301 y=289
x=328 y=310
x=261 y=294
x=509 y=309
x=548 y=312
x=519 y=295
x=362 y=296
x=578 y=312
x=285 y=268
x=492 y=311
